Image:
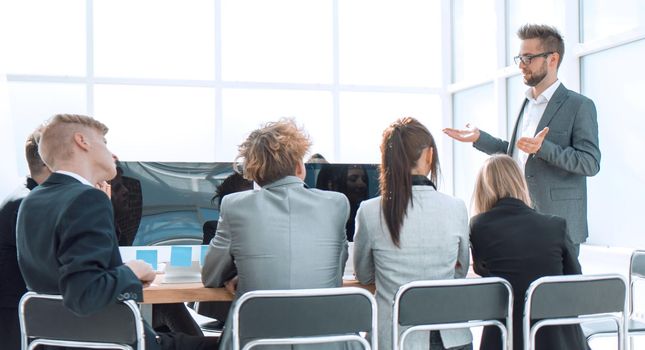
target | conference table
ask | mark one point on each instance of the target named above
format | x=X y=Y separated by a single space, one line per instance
x=162 y=293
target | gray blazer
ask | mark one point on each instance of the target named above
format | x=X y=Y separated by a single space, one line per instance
x=557 y=173
x=434 y=238
x=283 y=236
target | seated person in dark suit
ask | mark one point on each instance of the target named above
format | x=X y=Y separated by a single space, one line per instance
x=13 y=286
x=284 y=235
x=71 y=248
x=511 y=240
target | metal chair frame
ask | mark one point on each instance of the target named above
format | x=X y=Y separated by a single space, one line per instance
x=41 y=340
x=617 y=316
x=505 y=328
x=314 y=293
x=636 y=274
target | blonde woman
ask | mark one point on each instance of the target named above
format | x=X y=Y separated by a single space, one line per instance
x=411 y=232
x=511 y=240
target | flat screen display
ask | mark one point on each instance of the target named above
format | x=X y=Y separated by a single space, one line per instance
x=158 y=203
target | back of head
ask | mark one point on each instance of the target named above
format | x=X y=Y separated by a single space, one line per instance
x=233 y=183
x=549 y=37
x=273 y=151
x=499 y=177
x=402 y=145
x=37 y=168
x=57 y=138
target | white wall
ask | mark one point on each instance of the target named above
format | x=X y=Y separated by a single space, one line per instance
x=9 y=174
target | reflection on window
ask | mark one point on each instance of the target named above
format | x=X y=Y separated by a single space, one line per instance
x=154 y=39
x=158 y=123
x=622 y=173
x=477 y=107
x=474 y=39
x=390 y=42
x=601 y=18
x=46 y=37
x=521 y=12
x=51 y=99
x=247 y=110
x=277 y=41
x=364 y=116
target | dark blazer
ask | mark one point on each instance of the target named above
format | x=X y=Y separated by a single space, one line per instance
x=516 y=243
x=557 y=174
x=12 y=286
x=67 y=245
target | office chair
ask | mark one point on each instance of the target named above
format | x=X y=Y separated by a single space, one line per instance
x=304 y=316
x=634 y=326
x=574 y=299
x=450 y=304
x=119 y=326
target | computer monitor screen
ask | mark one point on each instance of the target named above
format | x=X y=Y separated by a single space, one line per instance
x=159 y=203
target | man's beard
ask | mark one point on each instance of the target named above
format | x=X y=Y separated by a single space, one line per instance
x=535 y=78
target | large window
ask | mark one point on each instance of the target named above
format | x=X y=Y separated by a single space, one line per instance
x=620 y=112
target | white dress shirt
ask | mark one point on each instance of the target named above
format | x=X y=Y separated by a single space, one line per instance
x=527 y=125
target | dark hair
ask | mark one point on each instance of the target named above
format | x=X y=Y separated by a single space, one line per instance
x=549 y=37
x=34 y=162
x=402 y=145
x=233 y=183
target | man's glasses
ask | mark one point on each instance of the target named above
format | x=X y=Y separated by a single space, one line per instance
x=526 y=59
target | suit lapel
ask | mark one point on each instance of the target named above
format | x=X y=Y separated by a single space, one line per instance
x=511 y=145
x=552 y=107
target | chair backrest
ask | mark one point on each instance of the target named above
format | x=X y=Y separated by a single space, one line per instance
x=44 y=320
x=455 y=303
x=304 y=316
x=636 y=272
x=559 y=300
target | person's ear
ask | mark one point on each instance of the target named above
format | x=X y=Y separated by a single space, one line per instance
x=429 y=155
x=301 y=171
x=81 y=141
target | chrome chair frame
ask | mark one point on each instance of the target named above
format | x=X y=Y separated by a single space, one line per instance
x=636 y=274
x=39 y=340
x=505 y=328
x=314 y=293
x=617 y=316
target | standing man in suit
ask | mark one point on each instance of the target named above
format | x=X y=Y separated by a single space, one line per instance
x=66 y=235
x=555 y=140
x=12 y=285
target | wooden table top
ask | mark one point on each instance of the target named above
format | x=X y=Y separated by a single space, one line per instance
x=162 y=293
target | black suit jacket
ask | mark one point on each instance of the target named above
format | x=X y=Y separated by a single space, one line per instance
x=516 y=243
x=12 y=286
x=67 y=245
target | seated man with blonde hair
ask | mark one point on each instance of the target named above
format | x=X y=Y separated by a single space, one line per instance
x=283 y=236
x=66 y=235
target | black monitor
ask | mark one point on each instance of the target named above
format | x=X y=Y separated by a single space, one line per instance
x=168 y=203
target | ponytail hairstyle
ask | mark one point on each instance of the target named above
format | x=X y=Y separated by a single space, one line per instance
x=402 y=145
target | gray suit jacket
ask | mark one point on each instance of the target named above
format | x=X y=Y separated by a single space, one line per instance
x=434 y=238
x=284 y=236
x=557 y=173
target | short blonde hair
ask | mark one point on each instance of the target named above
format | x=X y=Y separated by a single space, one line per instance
x=57 y=136
x=499 y=177
x=273 y=151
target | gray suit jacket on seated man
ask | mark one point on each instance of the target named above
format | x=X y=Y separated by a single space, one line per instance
x=284 y=236
x=557 y=174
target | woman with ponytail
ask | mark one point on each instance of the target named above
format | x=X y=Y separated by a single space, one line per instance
x=411 y=232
